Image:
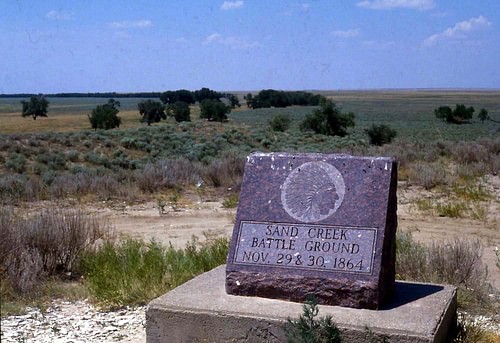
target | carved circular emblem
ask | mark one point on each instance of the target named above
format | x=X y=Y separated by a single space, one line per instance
x=313 y=192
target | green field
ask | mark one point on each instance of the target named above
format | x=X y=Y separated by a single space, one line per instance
x=409 y=112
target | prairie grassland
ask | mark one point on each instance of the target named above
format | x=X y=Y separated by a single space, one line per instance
x=64 y=115
x=409 y=112
x=59 y=161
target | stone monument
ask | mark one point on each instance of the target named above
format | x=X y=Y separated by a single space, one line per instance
x=315 y=224
x=308 y=224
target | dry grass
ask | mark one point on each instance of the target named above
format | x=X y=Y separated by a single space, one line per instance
x=35 y=247
x=14 y=123
x=456 y=262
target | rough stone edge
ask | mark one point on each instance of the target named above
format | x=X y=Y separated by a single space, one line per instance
x=334 y=292
x=447 y=326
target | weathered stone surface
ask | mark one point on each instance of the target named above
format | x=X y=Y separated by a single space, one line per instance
x=201 y=311
x=314 y=224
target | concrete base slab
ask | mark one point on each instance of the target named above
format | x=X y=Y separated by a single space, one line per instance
x=201 y=311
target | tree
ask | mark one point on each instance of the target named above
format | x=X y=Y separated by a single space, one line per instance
x=206 y=93
x=272 y=98
x=461 y=114
x=233 y=99
x=105 y=116
x=443 y=112
x=483 y=115
x=181 y=111
x=171 y=97
x=249 y=99
x=214 y=110
x=151 y=111
x=380 y=134
x=36 y=107
x=328 y=120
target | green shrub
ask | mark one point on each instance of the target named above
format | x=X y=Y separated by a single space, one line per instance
x=280 y=122
x=39 y=168
x=105 y=116
x=16 y=163
x=73 y=155
x=308 y=329
x=328 y=120
x=451 y=209
x=380 y=134
x=231 y=201
x=54 y=160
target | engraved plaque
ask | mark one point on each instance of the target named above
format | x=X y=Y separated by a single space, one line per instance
x=314 y=224
x=307 y=247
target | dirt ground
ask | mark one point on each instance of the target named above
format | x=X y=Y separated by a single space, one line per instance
x=194 y=217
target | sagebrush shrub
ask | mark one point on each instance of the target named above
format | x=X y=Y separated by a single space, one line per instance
x=380 y=134
x=428 y=175
x=225 y=171
x=12 y=188
x=44 y=244
x=470 y=152
x=456 y=262
x=280 y=122
x=16 y=163
x=166 y=174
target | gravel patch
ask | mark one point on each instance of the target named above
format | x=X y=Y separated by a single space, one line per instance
x=75 y=322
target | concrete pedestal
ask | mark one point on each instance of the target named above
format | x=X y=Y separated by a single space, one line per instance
x=201 y=311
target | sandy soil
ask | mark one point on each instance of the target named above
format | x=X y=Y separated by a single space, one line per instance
x=195 y=217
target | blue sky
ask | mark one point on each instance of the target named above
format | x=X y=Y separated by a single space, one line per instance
x=130 y=45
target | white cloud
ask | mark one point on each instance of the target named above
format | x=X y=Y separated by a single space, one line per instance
x=459 y=30
x=231 y=5
x=233 y=42
x=346 y=33
x=59 y=15
x=134 y=24
x=389 y=4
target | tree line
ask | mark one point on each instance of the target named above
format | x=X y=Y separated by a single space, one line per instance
x=274 y=98
x=461 y=114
